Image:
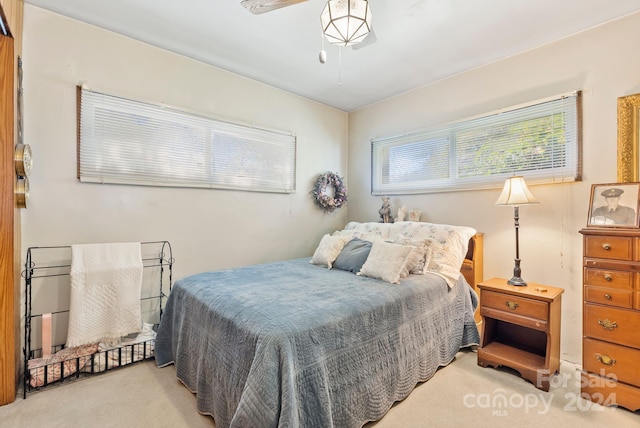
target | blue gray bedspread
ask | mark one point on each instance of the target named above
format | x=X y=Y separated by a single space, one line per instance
x=290 y=344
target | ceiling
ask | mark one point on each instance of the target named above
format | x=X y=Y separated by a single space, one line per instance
x=418 y=41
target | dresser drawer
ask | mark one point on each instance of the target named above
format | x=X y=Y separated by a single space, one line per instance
x=515 y=305
x=609 y=278
x=621 y=326
x=609 y=296
x=609 y=247
x=615 y=361
x=609 y=393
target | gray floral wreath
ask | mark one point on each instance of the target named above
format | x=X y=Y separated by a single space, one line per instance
x=324 y=201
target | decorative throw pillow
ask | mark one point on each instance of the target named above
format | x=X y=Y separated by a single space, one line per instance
x=328 y=250
x=386 y=261
x=421 y=255
x=353 y=255
x=448 y=246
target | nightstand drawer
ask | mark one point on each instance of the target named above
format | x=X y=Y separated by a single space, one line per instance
x=609 y=247
x=608 y=278
x=615 y=361
x=614 y=325
x=609 y=296
x=515 y=305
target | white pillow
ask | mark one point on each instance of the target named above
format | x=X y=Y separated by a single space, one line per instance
x=386 y=261
x=378 y=229
x=328 y=250
x=448 y=246
x=365 y=236
x=421 y=256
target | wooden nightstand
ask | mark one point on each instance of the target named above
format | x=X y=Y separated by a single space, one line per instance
x=521 y=329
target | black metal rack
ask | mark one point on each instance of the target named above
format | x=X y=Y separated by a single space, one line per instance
x=155 y=255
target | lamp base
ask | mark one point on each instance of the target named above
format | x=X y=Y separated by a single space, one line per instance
x=516 y=280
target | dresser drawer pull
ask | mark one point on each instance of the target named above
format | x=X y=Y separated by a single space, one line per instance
x=511 y=305
x=607 y=325
x=607 y=277
x=607 y=296
x=606 y=247
x=604 y=359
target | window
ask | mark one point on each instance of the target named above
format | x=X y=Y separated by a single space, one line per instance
x=129 y=142
x=540 y=141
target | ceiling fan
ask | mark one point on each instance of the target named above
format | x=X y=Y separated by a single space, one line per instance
x=335 y=19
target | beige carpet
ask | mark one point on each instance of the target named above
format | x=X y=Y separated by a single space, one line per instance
x=460 y=395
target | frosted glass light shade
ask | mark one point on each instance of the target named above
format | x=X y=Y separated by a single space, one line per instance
x=346 y=22
x=516 y=192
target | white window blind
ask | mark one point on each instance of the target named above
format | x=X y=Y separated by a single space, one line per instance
x=540 y=140
x=130 y=142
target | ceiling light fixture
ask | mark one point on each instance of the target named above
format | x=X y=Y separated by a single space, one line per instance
x=346 y=22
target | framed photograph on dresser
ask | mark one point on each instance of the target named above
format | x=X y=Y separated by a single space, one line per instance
x=614 y=205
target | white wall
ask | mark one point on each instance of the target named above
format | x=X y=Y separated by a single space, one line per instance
x=208 y=229
x=604 y=64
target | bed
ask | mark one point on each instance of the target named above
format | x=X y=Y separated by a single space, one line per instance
x=317 y=342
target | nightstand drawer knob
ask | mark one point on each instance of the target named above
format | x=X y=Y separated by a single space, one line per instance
x=606 y=247
x=607 y=296
x=604 y=359
x=608 y=325
x=511 y=305
x=608 y=277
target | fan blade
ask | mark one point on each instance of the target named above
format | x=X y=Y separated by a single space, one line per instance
x=369 y=40
x=261 y=6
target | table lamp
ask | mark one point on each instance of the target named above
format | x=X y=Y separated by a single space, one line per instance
x=516 y=193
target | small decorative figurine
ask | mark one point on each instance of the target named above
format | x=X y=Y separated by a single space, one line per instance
x=414 y=215
x=401 y=213
x=385 y=210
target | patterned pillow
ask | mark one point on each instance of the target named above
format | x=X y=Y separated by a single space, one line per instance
x=448 y=246
x=365 y=236
x=328 y=250
x=422 y=254
x=386 y=261
x=378 y=229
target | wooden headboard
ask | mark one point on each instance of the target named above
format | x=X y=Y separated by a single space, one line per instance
x=472 y=267
x=473 y=263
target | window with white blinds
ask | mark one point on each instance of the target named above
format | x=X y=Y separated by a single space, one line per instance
x=130 y=142
x=540 y=141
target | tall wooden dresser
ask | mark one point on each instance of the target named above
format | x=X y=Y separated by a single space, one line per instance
x=611 y=317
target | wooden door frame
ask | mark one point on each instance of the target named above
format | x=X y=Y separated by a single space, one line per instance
x=8 y=296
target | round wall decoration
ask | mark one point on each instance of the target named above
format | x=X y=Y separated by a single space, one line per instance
x=329 y=191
